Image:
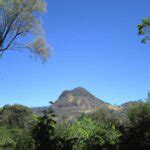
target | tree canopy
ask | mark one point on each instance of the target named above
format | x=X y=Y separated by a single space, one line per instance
x=21 y=28
x=85 y=133
x=16 y=116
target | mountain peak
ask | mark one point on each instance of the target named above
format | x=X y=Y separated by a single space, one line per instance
x=77 y=92
x=79 y=89
x=77 y=97
x=72 y=103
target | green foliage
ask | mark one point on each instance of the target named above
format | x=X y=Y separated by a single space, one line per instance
x=85 y=134
x=136 y=136
x=18 y=139
x=139 y=114
x=144 y=29
x=43 y=131
x=99 y=130
x=108 y=116
x=6 y=138
x=104 y=131
x=8 y=143
x=15 y=131
x=16 y=116
x=20 y=19
x=106 y=137
x=25 y=141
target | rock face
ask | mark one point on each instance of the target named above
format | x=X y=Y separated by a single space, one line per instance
x=78 y=98
x=73 y=103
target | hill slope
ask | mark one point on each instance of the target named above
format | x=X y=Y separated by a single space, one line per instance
x=78 y=97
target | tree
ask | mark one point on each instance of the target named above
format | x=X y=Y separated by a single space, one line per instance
x=43 y=131
x=87 y=134
x=136 y=136
x=16 y=116
x=144 y=29
x=20 y=19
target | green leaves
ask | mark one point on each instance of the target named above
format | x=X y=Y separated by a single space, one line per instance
x=139 y=113
x=140 y=28
x=16 y=116
x=89 y=134
x=136 y=134
x=144 y=29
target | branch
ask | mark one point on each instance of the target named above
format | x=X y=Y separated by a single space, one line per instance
x=9 y=27
x=12 y=40
x=5 y=21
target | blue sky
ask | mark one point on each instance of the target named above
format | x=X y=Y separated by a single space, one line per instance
x=95 y=45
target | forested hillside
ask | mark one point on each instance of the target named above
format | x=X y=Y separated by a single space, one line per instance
x=104 y=129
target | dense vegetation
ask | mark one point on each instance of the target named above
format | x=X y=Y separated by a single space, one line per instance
x=103 y=129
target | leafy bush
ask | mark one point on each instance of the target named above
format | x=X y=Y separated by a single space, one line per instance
x=85 y=134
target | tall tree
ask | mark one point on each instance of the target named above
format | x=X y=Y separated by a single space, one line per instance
x=136 y=135
x=43 y=131
x=20 y=19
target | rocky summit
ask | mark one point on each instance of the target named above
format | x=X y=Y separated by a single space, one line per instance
x=78 y=98
x=73 y=103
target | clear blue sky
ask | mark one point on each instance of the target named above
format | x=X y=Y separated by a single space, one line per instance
x=96 y=46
